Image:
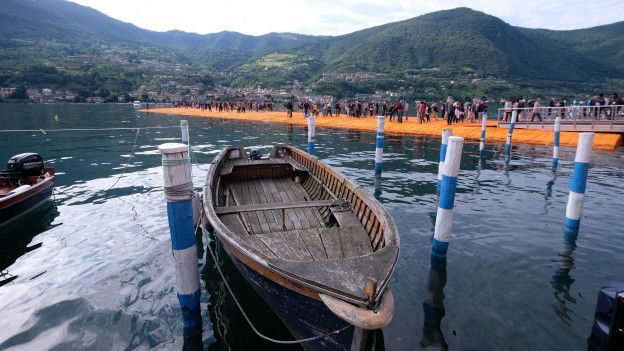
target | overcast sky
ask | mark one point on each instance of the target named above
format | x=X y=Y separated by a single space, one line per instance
x=334 y=17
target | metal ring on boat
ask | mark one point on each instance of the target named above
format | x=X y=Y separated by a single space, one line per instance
x=362 y=317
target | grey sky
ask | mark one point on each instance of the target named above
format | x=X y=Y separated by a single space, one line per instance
x=335 y=17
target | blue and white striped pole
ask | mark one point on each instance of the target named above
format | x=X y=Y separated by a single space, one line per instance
x=446 y=133
x=512 y=125
x=311 y=134
x=178 y=192
x=556 y=143
x=184 y=127
x=448 y=185
x=574 y=210
x=483 y=126
x=379 y=144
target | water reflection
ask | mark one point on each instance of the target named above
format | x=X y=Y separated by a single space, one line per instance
x=368 y=340
x=548 y=193
x=229 y=328
x=562 y=280
x=377 y=184
x=433 y=306
x=477 y=186
x=16 y=236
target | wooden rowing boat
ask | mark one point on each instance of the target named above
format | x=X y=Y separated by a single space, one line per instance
x=318 y=248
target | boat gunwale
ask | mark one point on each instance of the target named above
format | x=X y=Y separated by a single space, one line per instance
x=39 y=186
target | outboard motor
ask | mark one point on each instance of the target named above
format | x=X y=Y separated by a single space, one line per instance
x=26 y=164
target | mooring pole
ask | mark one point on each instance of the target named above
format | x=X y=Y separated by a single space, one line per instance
x=483 y=126
x=311 y=134
x=574 y=210
x=512 y=125
x=184 y=127
x=379 y=144
x=448 y=185
x=446 y=133
x=556 y=143
x=178 y=192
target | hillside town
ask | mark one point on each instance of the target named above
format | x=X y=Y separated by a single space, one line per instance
x=171 y=91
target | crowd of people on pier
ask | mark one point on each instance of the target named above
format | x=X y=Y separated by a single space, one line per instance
x=450 y=110
x=535 y=109
x=453 y=111
x=229 y=106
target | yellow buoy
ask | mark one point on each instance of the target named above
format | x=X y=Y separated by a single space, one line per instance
x=56 y=117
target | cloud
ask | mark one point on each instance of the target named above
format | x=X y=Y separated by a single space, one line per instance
x=335 y=17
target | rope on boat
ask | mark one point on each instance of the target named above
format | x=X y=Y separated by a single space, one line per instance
x=240 y=308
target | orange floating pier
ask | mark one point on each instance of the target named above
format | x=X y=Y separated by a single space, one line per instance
x=470 y=131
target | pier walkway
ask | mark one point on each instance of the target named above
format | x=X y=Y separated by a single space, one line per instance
x=470 y=131
x=573 y=118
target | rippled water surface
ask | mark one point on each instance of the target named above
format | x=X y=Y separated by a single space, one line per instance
x=92 y=270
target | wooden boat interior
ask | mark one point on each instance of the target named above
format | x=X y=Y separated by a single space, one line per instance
x=292 y=210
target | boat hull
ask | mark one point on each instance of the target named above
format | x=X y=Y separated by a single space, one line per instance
x=304 y=316
x=25 y=203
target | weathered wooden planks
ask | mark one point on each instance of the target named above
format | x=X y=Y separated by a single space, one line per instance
x=354 y=241
x=331 y=243
x=313 y=242
x=273 y=206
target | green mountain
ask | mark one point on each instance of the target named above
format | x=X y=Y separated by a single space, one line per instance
x=63 y=45
x=463 y=38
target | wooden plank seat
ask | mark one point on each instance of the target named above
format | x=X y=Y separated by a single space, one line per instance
x=273 y=206
x=228 y=167
x=296 y=166
x=344 y=216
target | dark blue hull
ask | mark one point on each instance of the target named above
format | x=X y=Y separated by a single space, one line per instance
x=22 y=207
x=305 y=317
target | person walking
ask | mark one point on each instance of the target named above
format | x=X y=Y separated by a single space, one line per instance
x=289 y=109
x=537 y=109
x=400 y=108
x=421 y=110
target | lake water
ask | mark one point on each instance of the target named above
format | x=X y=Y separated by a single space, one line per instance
x=92 y=270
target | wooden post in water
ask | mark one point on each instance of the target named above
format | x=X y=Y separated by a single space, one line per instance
x=446 y=133
x=379 y=143
x=185 y=131
x=512 y=125
x=448 y=185
x=556 y=143
x=483 y=126
x=574 y=209
x=311 y=134
x=178 y=188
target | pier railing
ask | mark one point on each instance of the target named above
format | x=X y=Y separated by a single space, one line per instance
x=581 y=118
